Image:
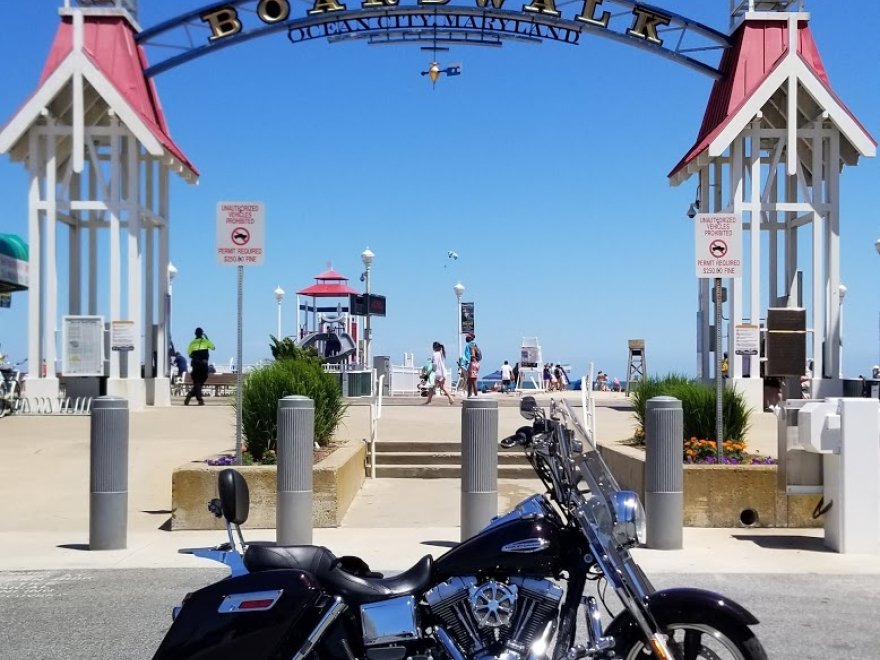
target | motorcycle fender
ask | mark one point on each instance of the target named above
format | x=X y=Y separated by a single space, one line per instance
x=256 y=616
x=670 y=601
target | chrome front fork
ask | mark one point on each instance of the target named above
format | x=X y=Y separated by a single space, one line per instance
x=597 y=646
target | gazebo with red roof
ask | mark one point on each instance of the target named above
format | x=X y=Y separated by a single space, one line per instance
x=773 y=142
x=329 y=284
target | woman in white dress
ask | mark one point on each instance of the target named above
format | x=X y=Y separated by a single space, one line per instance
x=441 y=373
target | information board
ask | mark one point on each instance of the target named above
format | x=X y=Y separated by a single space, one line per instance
x=82 y=351
x=122 y=335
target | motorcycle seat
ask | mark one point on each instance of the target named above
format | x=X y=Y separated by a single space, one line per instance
x=333 y=577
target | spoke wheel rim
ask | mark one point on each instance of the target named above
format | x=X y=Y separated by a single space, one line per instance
x=690 y=640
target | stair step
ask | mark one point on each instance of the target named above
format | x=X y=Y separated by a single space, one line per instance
x=383 y=446
x=439 y=458
x=446 y=472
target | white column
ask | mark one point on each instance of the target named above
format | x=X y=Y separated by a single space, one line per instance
x=74 y=259
x=755 y=234
x=150 y=346
x=134 y=256
x=791 y=243
x=35 y=294
x=51 y=322
x=832 y=247
x=164 y=259
x=735 y=288
x=819 y=282
x=705 y=314
x=93 y=238
x=115 y=265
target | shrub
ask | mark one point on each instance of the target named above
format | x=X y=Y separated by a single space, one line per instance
x=287 y=349
x=265 y=385
x=698 y=406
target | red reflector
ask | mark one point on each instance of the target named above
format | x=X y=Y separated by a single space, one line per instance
x=256 y=604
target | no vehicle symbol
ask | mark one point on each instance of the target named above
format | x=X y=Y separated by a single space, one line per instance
x=240 y=236
x=717 y=248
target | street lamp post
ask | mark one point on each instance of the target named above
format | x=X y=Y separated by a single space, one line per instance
x=172 y=271
x=459 y=292
x=279 y=296
x=367 y=257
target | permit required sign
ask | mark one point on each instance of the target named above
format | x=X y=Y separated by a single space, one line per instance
x=718 y=242
x=240 y=233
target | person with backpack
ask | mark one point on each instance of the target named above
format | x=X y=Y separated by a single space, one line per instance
x=472 y=356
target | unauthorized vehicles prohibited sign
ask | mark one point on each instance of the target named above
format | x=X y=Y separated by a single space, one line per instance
x=240 y=233
x=718 y=242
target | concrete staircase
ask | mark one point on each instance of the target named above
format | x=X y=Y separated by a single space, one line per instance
x=440 y=460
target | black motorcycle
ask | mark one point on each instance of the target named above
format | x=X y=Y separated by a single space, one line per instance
x=512 y=592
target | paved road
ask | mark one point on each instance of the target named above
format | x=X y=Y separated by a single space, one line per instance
x=122 y=615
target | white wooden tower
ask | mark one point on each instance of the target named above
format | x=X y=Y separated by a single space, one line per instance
x=95 y=143
x=772 y=145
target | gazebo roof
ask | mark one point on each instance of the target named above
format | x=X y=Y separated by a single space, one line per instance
x=113 y=65
x=329 y=284
x=758 y=64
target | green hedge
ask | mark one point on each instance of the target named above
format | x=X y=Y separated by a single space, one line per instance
x=264 y=386
x=698 y=406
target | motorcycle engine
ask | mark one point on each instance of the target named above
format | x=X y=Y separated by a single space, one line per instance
x=497 y=618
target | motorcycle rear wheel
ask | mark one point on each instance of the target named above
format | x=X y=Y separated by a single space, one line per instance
x=695 y=634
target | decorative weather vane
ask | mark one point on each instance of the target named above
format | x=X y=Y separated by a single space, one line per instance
x=434 y=71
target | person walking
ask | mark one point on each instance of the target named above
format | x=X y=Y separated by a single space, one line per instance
x=506 y=376
x=441 y=373
x=472 y=356
x=198 y=354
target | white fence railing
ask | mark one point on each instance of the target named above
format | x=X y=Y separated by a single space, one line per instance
x=404 y=380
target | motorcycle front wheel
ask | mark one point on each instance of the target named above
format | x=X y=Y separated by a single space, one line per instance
x=694 y=634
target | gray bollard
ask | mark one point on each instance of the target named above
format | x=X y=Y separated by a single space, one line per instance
x=479 y=464
x=296 y=439
x=664 y=473
x=108 y=474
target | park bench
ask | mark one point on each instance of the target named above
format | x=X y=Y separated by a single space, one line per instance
x=216 y=385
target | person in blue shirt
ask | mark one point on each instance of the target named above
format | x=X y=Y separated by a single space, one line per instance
x=472 y=355
x=180 y=363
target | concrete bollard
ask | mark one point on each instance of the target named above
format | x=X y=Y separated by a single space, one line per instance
x=664 y=473
x=108 y=474
x=296 y=439
x=479 y=464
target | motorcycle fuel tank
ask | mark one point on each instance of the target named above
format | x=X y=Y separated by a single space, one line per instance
x=509 y=545
x=256 y=616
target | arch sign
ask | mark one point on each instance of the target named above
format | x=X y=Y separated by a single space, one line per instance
x=480 y=22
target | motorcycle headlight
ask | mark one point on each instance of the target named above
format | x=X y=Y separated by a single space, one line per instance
x=629 y=516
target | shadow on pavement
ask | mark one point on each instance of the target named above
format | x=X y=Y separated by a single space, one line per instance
x=785 y=542
x=73 y=546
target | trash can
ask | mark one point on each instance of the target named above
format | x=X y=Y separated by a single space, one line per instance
x=854 y=387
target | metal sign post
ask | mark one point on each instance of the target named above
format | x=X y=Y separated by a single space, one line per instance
x=718 y=249
x=240 y=242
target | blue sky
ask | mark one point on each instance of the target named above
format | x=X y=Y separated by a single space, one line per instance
x=543 y=166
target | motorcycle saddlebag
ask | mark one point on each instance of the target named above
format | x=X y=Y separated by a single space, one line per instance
x=256 y=616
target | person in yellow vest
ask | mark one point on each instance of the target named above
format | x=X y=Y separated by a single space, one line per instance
x=198 y=356
x=725 y=366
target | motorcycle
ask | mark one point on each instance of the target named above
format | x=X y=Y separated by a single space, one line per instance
x=511 y=592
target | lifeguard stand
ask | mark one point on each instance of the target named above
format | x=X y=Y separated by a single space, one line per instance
x=637 y=367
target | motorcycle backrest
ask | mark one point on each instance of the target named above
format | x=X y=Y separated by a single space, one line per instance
x=528 y=407
x=234 y=496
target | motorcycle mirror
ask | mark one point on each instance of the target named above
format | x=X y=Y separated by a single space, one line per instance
x=528 y=407
x=234 y=496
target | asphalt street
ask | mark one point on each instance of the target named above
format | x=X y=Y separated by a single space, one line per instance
x=123 y=614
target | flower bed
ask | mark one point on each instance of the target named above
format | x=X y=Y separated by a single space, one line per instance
x=335 y=481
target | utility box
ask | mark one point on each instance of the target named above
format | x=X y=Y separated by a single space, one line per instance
x=846 y=434
x=798 y=471
x=786 y=341
x=382 y=367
